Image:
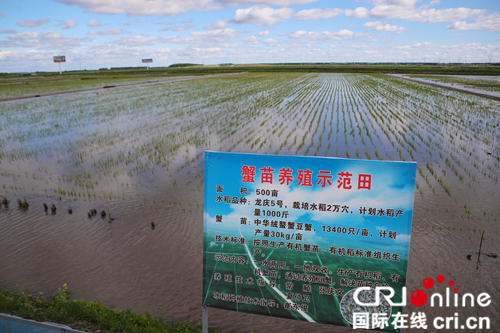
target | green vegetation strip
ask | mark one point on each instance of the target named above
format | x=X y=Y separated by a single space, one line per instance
x=15 y=84
x=86 y=316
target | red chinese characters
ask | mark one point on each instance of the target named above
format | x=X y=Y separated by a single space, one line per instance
x=285 y=176
x=324 y=178
x=345 y=179
x=266 y=175
x=305 y=177
x=365 y=181
x=248 y=173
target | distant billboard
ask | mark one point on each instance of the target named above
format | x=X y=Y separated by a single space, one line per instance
x=59 y=58
x=145 y=61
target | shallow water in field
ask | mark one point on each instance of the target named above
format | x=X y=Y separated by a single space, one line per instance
x=140 y=151
x=482 y=82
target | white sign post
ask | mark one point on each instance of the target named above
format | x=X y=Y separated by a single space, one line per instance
x=60 y=59
x=147 y=61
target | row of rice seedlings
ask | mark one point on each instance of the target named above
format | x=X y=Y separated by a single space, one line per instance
x=421 y=137
x=404 y=138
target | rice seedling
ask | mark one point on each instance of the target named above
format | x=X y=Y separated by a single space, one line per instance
x=140 y=136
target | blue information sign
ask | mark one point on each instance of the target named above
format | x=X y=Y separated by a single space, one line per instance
x=290 y=236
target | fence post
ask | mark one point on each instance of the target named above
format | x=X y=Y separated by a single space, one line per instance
x=204 y=320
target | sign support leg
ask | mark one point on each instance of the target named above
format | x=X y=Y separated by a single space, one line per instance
x=204 y=320
x=60 y=68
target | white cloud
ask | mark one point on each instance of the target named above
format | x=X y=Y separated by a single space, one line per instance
x=219 y=24
x=219 y=34
x=264 y=33
x=103 y=47
x=164 y=50
x=406 y=10
x=18 y=55
x=2 y=14
x=166 y=23
x=470 y=47
x=109 y=32
x=251 y=39
x=33 y=43
x=33 y=24
x=379 y=26
x=267 y=2
x=8 y=43
x=94 y=23
x=448 y=15
x=46 y=40
x=361 y=46
x=135 y=40
x=461 y=25
x=183 y=27
x=490 y=22
x=467 y=51
x=99 y=57
x=343 y=34
x=317 y=13
x=359 y=12
x=419 y=46
x=140 y=8
x=70 y=24
x=273 y=42
x=262 y=15
x=8 y=31
x=25 y=35
x=56 y=39
x=181 y=40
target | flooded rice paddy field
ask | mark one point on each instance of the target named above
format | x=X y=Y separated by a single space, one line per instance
x=140 y=150
x=483 y=82
x=34 y=85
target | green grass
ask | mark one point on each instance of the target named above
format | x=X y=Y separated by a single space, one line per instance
x=14 y=86
x=85 y=315
x=44 y=82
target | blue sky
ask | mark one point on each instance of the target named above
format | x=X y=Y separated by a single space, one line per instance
x=94 y=33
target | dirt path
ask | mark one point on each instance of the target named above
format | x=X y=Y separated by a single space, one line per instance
x=478 y=92
x=173 y=79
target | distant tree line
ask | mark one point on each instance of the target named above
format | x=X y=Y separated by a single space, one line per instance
x=184 y=65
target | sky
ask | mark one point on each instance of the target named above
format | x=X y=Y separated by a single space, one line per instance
x=95 y=34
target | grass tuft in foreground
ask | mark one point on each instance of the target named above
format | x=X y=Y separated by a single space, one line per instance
x=86 y=316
